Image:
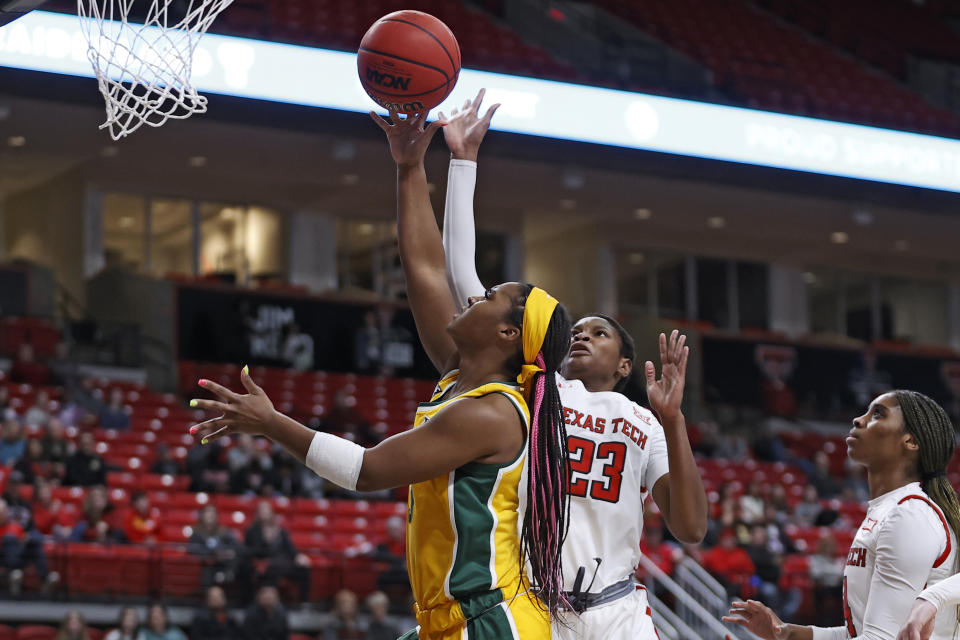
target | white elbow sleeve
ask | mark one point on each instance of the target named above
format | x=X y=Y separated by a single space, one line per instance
x=336 y=459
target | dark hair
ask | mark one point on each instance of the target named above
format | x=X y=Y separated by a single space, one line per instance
x=627 y=348
x=929 y=424
x=547 y=516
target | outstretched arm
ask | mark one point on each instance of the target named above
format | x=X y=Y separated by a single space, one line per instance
x=486 y=429
x=679 y=494
x=464 y=131
x=421 y=247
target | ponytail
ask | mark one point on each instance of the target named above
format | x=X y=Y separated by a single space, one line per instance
x=929 y=424
x=546 y=519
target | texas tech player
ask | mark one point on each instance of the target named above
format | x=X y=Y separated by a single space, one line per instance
x=619 y=452
x=907 y=539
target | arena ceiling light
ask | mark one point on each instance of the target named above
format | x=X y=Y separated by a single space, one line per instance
x=277 y=72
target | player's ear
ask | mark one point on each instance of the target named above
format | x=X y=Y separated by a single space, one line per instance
x=624 y=368
x=509 y=332
x=910 y=443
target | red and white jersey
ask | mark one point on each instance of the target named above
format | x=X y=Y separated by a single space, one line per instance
x=903 y=545
x=617 y=452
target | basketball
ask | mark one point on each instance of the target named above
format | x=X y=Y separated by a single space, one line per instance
x=408 y=61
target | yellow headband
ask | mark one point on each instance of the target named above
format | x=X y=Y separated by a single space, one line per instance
x=536 y=320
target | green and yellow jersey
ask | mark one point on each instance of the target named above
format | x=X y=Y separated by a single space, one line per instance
x=463 y=541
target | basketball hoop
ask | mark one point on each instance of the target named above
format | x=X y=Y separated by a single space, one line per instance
x=144 y=70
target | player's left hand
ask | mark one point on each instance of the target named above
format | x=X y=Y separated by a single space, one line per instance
x=919 y=624
x=666 y=394
x=408 y=137
x=251 y=413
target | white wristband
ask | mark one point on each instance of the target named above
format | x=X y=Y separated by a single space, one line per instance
x=336 y=459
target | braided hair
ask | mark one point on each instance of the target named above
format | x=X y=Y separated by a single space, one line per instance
x=547 y=516
x=929 y=424
x=627 y=349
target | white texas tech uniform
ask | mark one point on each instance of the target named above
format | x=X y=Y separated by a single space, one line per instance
x=903 y=545
x=617 y=453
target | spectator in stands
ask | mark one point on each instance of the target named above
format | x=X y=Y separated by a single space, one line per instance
x=141 y=523
x=89 y=397
x=73 y=627
x=32 y=464
x=213 y=622
x=808 y=509
x=85 y=468
x=17 y=505
x=56 y=447
x=286 y=477
x=266 y=619
x=165 y=463
x=115 y=415
x=344 y=420
x=732 y=447
x=367 y=345
x=39 y=413
x=64 y=371
x=729 y=564
x=378 y=604
x=298 y=349
x=94 y=527
x=19 y=550
x=652 y=546
x=778 y=498
x=49 y=515
x=392 y=552
x=821 y=478
x=751 y=503
x=767 y=570
x=207 y=469
x=272 y=554
x=27 y=370
x=217 y=546
x=854 y=487
x=158 y=625
x=778 y=540
x=128 y=626
x=248 y=465
x=826 y=572
x=768 y=447
x=13 y=444
x=346 y=624
x=72 y=413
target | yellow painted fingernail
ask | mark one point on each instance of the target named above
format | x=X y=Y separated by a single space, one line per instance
x=246 y=370
x=204 y=441
x=193 y=403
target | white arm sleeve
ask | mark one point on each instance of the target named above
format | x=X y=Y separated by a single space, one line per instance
x=830 y=633
x=944 y=593
x=907 y=546
x=459 y=234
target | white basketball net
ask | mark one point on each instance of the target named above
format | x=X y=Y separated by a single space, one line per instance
x=143 y=70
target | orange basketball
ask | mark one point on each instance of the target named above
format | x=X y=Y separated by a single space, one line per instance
x=408 y=61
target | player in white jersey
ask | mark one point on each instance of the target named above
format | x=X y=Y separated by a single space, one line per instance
x=619 y=451
x=907 y=540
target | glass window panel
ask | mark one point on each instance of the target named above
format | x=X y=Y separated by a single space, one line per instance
x=753 y=291
x=672 y=287
x=124 y=230
x=713 y=305
x=918 y=310
x=171 y=237
x=823 y=298
x=633 y=278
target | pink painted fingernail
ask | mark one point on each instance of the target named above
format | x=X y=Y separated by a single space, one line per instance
x=202 y=382
x=193 y=430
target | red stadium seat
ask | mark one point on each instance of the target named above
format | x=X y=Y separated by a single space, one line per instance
x=7 y=633
x=36 y=632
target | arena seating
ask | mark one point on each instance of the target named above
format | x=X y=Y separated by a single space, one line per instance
x=340 y=25
x=773 y=66
x=42 y=333
x=882 y=33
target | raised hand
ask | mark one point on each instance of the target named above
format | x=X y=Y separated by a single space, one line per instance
x=251 y=413
x=466 y=128
x=919 y=624
x=408 y=137
x=756 y=618
x=666 y=394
